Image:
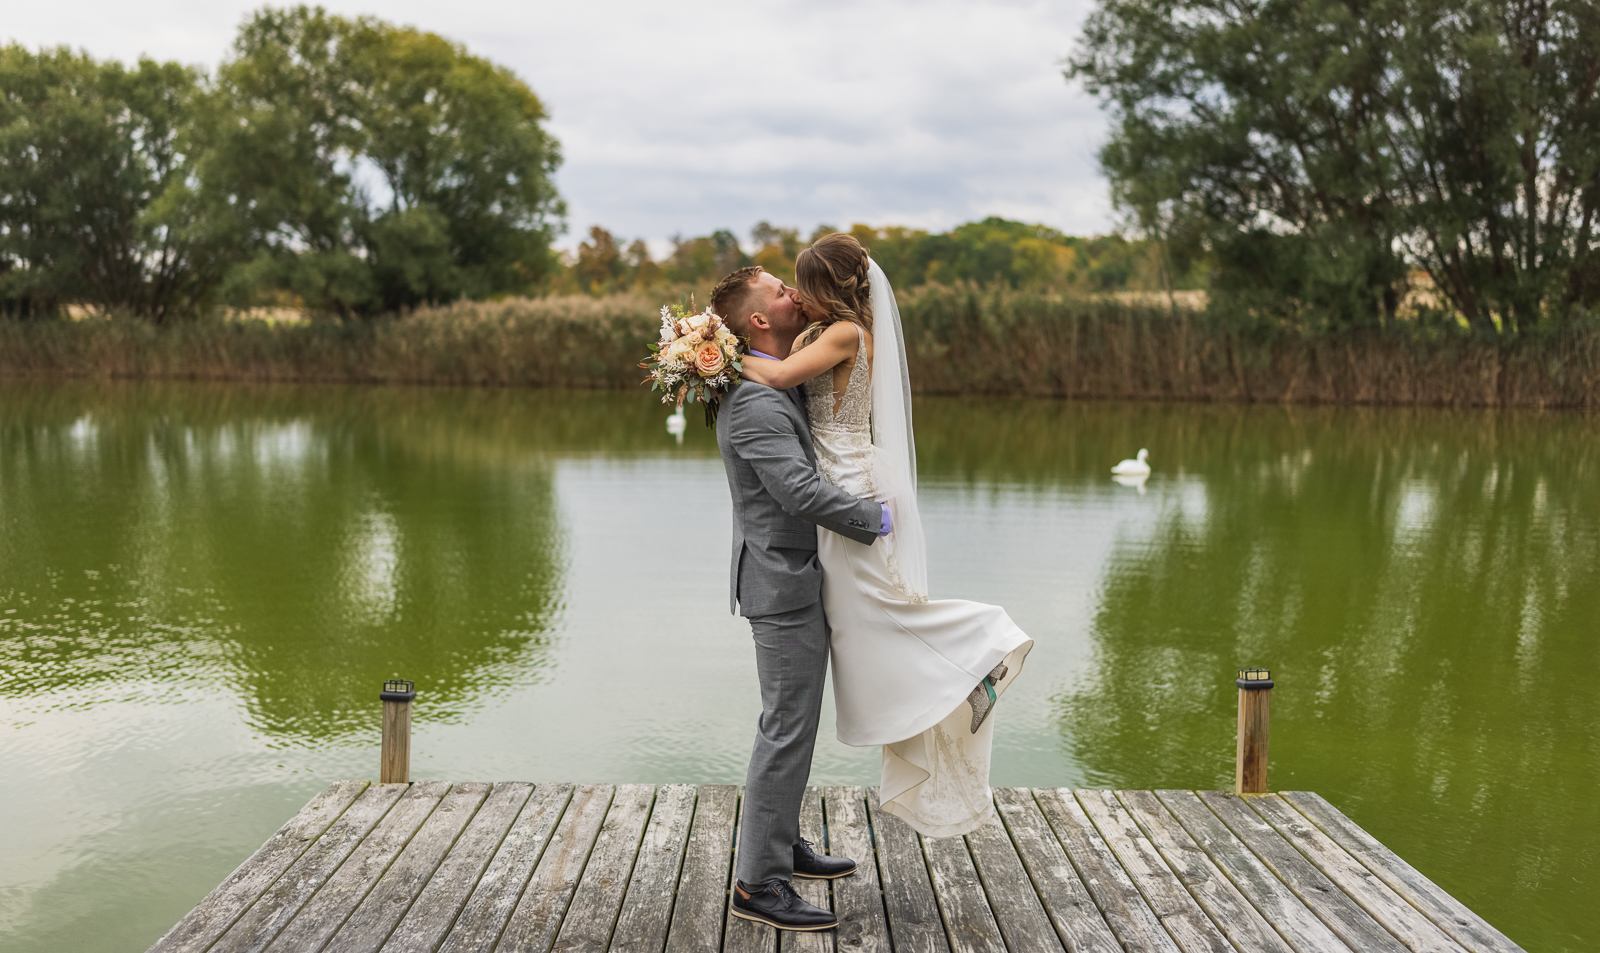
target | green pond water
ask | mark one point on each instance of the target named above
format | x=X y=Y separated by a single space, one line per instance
x=202 y=588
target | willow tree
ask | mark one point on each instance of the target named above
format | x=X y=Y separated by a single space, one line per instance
x=1320 y=149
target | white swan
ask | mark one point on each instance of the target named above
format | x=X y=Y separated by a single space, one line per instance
x=676 y=424
x=1134 y=467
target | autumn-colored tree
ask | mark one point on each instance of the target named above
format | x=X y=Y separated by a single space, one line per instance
x=776 y=249
x=600 y=267
x=645 y=270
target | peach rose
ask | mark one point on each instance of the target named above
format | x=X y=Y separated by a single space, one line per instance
x=709 y=360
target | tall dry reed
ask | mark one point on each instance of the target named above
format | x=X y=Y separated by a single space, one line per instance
x=575 y=341
x=961 y=341
x=999 y=341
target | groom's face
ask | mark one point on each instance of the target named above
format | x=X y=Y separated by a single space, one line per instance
x=779 y=304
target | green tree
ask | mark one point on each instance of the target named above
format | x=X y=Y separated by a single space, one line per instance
x=1001 y=251
x=372 y=167
x=1259 y=121
x=1318 y=150
x=95 y=199
x=1494 y=137
x=693 y=260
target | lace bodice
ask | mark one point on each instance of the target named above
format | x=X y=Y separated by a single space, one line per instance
x=841 y=426
x=854 y=410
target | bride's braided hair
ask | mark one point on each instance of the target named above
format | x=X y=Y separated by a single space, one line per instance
x=832 y=278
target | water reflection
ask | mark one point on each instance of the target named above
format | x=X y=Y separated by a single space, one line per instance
x=1423 y=584
x=296 y=548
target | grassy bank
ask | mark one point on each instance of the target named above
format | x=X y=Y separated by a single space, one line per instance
x=961 y=341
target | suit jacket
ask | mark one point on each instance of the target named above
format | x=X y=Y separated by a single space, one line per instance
x=777 y=497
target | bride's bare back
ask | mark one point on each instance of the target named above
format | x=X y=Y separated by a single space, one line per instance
x=845 y=334
x=833 y=347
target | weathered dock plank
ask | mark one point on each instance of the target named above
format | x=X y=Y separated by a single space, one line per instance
x=857 y=899
x=543 y=905
x=1287 y=913
x=1072 y=911
x=1416 y=931
x=647 y=907
x=1343 y=915
x=283 y=900
x=586 y=925
x=222 y=906
x=702 y=902
x=325 y=912
x=1221 y=900
x=1018 y=912
x=908 y=900
x=430 y=918
x=376 y=916
x=1453 y=916
x=484 y=915
x=1169 y=900
x=432 y=867
x=968 y=920
x=1120 y=902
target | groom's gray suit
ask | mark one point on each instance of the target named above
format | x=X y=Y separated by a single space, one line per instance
x=776 y=583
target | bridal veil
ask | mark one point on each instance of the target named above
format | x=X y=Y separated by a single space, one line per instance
x=892 y=434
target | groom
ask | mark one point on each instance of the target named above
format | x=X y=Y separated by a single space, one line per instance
x=777 y=584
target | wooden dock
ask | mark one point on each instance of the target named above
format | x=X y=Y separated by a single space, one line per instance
x=433 y=866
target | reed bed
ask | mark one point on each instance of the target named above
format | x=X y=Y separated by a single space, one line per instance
x=969 y=341
x=960 y=341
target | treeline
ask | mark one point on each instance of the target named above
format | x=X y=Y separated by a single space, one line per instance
x=995 y=251
x=346 y=166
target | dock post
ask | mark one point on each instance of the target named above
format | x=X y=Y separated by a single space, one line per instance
x=395 y=767
x=1255 y=709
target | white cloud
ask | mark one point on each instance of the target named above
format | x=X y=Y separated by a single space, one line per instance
x=717 y=114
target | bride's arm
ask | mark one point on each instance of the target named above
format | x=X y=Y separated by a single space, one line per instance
x=837 y=344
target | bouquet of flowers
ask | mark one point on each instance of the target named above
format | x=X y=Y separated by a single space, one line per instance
x=697 y=358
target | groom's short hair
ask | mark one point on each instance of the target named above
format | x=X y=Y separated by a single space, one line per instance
x=734 y=298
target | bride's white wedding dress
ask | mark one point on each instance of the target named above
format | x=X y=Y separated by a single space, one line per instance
x=903 y=664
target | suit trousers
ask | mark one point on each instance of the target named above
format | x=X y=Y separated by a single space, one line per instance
x=792 y=664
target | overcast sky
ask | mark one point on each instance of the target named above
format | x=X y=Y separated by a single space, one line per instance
x=681 y=118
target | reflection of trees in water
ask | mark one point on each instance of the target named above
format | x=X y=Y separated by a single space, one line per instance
x=304 y=543
x=1424 y=586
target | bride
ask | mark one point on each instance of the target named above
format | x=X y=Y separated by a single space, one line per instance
x=918 y=676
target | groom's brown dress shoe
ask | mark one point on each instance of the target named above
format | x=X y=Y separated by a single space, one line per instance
x=811 y=865
x=777 y=905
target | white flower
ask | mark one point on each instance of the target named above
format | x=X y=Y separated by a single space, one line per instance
x=680 y=349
